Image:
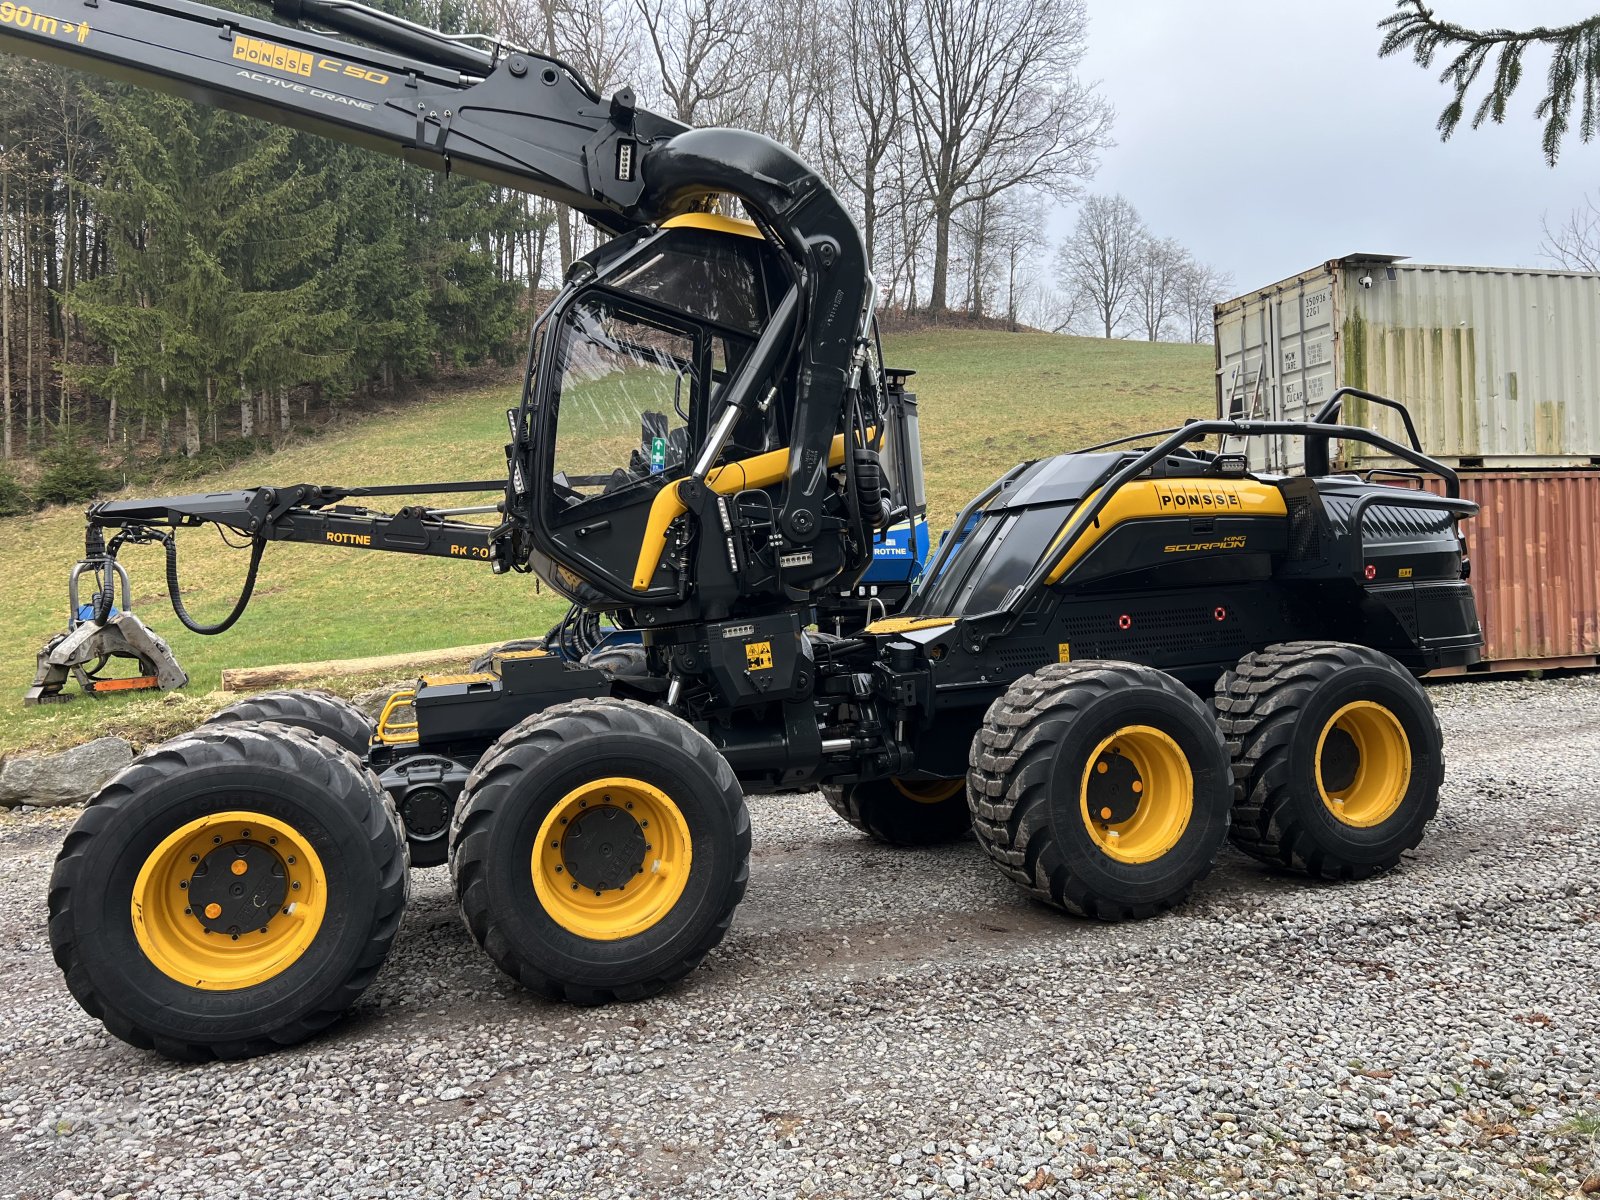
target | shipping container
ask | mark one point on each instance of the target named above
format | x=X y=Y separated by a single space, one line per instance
x=1500 y=367
x=1535 y=553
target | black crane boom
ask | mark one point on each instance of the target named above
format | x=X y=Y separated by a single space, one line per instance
x=507 y=116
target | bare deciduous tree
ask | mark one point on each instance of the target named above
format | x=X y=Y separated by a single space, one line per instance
x=1098 y=262
x=996 y=103
x=1158 y=270
x=698 y=47
x=1201 y=288
x=866 y=120
x=1574 y=245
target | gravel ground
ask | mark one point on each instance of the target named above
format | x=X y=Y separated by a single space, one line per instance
x=904 y=1024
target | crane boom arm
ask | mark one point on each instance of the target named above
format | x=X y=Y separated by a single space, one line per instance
x=516 y=119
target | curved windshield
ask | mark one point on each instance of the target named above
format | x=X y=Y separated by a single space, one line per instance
x=714 y=279
x=625 y=390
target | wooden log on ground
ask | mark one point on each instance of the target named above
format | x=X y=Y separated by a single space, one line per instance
x=259 y=679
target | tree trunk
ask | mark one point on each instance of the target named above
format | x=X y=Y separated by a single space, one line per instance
x=111 y=412
x=27 y=304
x=283 y=410
x=247 y=411
x=564 y=229
x=5 y=306
x=938 y=298
x=1011 y=291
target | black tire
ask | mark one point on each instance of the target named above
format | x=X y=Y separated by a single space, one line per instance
x=621 y=660
x=286 y=776
x=1276 y=707
x=1030 y=785
x=521 y=785
x=320 y=712
x=485 y=662
x=904 y=812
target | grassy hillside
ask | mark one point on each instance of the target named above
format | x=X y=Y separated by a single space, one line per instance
x=988 y=400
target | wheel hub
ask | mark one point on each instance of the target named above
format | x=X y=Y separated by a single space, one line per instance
x=228 y=900
x=611 y=858
x=1363 y=764
x=238 y=887
x=1341 y=759
x=603 y=848
x=426 y=812
x=1115 y=787
x=1137 y=794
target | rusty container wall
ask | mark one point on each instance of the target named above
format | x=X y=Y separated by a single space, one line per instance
x=1535 y=548
x=1500 y=367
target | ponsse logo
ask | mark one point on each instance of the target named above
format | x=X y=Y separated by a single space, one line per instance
x=1197 y=497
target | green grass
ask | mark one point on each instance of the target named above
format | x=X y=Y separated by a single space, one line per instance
x=988 y=400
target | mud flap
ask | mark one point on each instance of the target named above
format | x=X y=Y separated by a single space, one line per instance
x=123 y=636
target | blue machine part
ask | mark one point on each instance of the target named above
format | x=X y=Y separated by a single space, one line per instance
x=899 y=555
x=86 y=612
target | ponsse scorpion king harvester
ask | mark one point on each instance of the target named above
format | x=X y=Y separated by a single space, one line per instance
x=1115 y=658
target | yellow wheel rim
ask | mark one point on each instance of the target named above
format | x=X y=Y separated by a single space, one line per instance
x=611 y=859
x=1137 y=794
x=228 y=901
x=928 y=791
x=1363 y=764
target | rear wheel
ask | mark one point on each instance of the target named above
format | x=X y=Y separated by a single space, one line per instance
x=1337 y=757
x=320 y=712
x=1101 y=787
x=232 y=891
x=599 y=850
x=904 y=812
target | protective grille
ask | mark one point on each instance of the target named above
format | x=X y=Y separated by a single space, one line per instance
x=1157 y=633
x=1305 y=532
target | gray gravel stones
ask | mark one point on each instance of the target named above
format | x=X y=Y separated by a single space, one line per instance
x=70 y=777
x=905 y=1023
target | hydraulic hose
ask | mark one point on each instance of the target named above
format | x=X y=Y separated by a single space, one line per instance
x=257 y=546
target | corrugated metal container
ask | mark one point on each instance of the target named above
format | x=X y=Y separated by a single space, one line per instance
x=1500 y=367
x=1535 y=548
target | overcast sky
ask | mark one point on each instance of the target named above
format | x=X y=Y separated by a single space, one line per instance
x=1267 y=136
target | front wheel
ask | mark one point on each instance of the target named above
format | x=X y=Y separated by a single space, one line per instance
x=1101 y=787
x=232 y=891
x=599 y=850
x=1337 y=757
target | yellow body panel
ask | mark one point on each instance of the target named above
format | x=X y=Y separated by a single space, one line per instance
x=1145 y=498
x=758 y=471
x=716 y=223
x=907 y=624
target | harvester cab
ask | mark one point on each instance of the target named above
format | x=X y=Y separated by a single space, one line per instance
x=1118 y=659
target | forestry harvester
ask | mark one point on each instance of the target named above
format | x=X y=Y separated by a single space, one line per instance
x=1117 y=659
